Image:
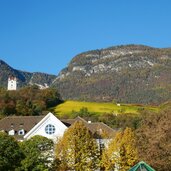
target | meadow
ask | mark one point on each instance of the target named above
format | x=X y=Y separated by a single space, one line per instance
x=69 y=107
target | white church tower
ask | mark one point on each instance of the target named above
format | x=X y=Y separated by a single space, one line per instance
x=12 y=83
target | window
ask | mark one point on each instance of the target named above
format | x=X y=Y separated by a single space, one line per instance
x=50 y=129
x=21 y=132
x=11 y=132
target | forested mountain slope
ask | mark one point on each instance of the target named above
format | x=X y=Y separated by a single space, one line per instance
x=129 y=74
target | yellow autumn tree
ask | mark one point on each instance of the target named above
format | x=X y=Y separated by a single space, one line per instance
x=121 y=153
x=77 y=149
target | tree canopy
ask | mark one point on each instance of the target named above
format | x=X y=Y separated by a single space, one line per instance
x=121 y=153
x=154 y=139
x=10 y=153
x=27 y=101
x=77 y=150
x=38 y=154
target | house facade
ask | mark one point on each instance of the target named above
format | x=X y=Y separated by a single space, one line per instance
x=25 y=127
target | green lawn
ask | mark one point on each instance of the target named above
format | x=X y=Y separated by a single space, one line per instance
x=100 y=108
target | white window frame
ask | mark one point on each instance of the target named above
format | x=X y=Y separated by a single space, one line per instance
x=50 y=129
x=11 y=132
x=21 y=132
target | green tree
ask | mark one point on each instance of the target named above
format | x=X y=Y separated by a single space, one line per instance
x=121 y=120
x=51 y=97
x=39 y=154
x=10 y=153
x=28 y=101
x=121 y=152
x=77 y=150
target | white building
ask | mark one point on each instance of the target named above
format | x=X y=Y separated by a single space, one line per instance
x=12 y=83
x=25 y=127
x=50 y=127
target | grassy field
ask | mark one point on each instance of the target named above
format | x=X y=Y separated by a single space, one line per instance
x=68 y=107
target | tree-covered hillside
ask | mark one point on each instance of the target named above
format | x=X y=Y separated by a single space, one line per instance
x=128 y=74
x=27 y=101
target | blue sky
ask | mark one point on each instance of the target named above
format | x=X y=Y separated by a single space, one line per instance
x=44 y=35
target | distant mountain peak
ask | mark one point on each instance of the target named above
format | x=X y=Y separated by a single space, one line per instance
x=2 y=62
x=23 y=78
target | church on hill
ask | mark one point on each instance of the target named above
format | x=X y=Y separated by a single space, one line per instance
x=12 y=83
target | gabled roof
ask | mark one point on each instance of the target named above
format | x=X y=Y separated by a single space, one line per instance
x=38 y=126
x=95 y=127
x=69 y=122
x=17 y=123
x=141 y=166
x=30 y=123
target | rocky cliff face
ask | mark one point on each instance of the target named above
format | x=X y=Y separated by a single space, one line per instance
x=23 y=78
x=130 y=74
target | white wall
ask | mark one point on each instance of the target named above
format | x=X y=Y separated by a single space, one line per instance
x=12 y=84
x=39 y=129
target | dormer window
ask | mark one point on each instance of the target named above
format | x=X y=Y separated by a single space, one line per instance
x=21 y=132
x=11 y=132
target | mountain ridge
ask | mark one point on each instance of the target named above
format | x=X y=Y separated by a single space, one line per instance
x=110 y=74
x=125 y=73
x=23 y=77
